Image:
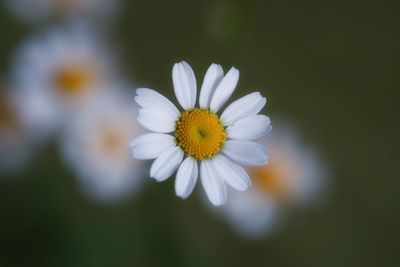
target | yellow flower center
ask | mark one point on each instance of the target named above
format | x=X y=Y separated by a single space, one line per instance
x=72 y=81
x=276 y=178
x=109 y=140
x=112 y=142
x=200 y=133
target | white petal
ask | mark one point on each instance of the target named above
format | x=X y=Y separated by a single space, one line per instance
x=156 y=121
x=224 y=89
x=166 y=164
x=150 y=146
x=186 y=177
x=213 y=77
x=249 y=128
x=245 y=106
x=184 y=84
x=246 y=152
x=213 y=185
x=232 y=173
x=149 y=99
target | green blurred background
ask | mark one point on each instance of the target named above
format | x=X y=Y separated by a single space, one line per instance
x=329 y=66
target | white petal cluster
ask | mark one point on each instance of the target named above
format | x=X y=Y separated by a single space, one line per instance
x=241 y=121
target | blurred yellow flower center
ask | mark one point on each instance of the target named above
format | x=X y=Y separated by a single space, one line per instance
x=72 y=81
x=271 y=179
x=111 y=142
x=200 y=133
x=108 y=140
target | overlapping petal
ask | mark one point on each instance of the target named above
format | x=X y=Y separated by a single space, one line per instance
x=232 y=173
x=151 y=145
x=245 y=106
x=213 y=185
x=246 y=152
x=166 y=164
x=224 y=89
x=150 y=99
x=157 y=113
x=213 y=77
x=156 y=121
x=250 y=127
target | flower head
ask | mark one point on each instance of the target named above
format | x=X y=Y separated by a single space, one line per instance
x=294 y=176
x=58 y=73
x=94 y=146
x=216 y=144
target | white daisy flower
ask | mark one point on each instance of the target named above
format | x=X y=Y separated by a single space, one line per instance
x=36 y=10
x=203 y=143
x=15 y=145
x=294 y=176
x=94 y=146
x=58 y=73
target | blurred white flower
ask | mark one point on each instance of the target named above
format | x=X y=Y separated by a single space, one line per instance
x=15 y=145
x=38 y=10
x=294 y=176
x=95 y=146
x=57 y=73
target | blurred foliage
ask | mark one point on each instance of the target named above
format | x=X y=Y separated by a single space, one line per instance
x=329 y=66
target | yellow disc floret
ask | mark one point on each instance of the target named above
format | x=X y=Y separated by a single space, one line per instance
x=276 y=178
x=72 y=81
x=200 y=133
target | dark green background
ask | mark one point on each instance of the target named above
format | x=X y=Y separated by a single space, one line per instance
x=329 y=66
